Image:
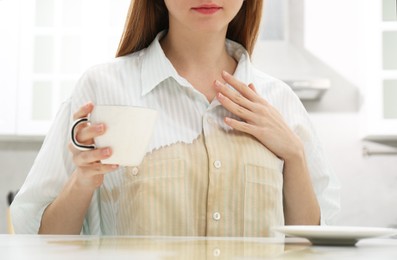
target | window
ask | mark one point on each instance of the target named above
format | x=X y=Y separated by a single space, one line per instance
x=59 y=40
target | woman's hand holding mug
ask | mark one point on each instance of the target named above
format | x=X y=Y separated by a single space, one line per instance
x=89 y=169
x=107 y=136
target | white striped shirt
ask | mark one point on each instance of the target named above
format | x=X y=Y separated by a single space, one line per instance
x=196 y=193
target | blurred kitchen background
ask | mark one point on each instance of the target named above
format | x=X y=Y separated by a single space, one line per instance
x=340 y=57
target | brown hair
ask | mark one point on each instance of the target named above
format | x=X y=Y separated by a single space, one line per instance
x=146 y=18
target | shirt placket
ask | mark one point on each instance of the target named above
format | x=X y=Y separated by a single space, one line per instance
x=215 y=215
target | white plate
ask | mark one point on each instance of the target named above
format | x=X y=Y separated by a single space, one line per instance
x=335 y=235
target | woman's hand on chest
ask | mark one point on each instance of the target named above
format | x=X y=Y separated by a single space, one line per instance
x=259 y=118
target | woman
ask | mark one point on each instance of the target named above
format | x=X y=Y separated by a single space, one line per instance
x=233 y=153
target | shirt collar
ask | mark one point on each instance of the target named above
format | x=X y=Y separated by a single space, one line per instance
x=243 y=71
x=156 y=67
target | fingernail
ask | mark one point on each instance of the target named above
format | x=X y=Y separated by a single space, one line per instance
x=218 y=83
x=106 y=151
x=87 y=106
x=115 y=166
x=99 y=128
x=225 y=73
x=220 y=96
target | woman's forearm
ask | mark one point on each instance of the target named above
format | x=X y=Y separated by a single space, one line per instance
x=65 y=215
x=300 y=202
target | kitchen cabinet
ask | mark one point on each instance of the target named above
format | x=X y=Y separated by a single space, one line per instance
x=380 y=104
x=50 y=45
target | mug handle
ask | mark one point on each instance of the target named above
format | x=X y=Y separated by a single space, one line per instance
x=76 y=144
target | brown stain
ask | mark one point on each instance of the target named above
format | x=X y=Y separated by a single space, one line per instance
x=250 y=176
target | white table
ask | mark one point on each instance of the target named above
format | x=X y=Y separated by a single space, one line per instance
x=192 y=248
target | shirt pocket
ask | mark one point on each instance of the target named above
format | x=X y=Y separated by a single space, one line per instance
x=153 y=199
x=263 y=200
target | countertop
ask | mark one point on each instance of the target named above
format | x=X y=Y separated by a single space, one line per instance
x=191 y=248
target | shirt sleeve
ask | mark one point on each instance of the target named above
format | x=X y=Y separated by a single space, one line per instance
x=325 y=184
x=50 y=171
x=54 y=165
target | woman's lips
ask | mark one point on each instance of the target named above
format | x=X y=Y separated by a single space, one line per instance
x=207 y=9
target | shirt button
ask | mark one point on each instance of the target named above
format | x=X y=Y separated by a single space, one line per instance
x=216 y=252
x=210 y=121
x=135 y=171
x=217 y=164
x=216 y=216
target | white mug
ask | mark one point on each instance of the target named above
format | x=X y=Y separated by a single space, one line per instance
x=128 y=132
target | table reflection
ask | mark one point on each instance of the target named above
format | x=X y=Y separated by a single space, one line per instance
x=187 y=248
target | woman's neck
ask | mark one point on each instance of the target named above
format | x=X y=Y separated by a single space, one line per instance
x=200 y=58
x=187 y=51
